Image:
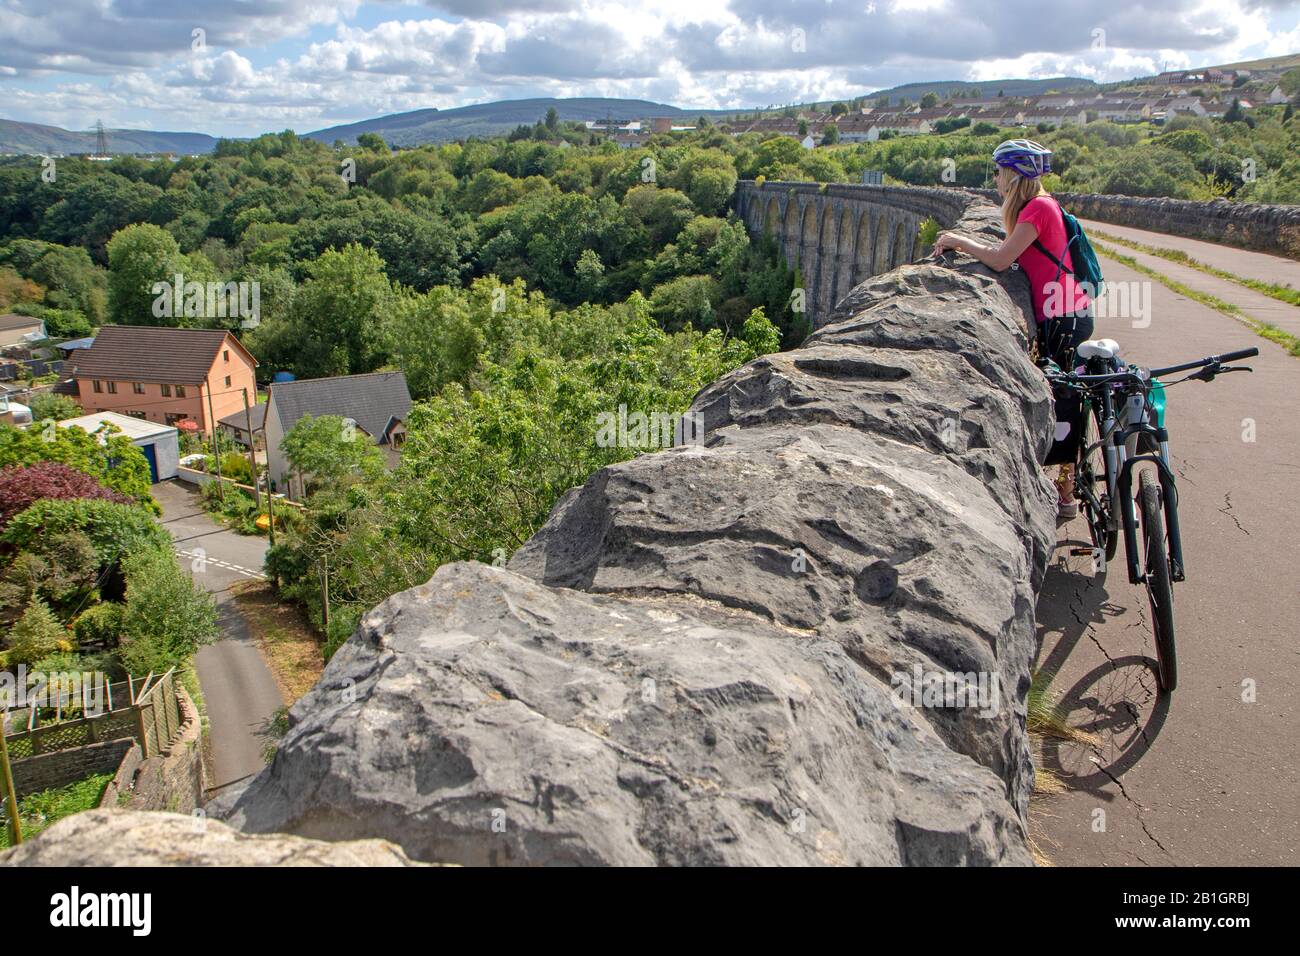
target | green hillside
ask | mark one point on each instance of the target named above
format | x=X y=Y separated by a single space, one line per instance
x=944 y=89
x=494 y=119
x=29 y=138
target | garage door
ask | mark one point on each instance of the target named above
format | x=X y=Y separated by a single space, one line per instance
x=153 y=462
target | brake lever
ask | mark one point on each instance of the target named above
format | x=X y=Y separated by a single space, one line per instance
x=1208 y=373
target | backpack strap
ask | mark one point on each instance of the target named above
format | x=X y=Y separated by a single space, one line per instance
x=1060 y=264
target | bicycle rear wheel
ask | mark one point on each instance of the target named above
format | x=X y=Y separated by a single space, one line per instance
x=1159 y=581
x=1092 y=487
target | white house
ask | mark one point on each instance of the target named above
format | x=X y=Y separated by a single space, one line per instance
x=900 y=126
x=377 y=403
x=1276 y=97
x=20 y=329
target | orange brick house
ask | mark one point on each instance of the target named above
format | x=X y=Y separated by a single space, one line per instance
x=165 y=375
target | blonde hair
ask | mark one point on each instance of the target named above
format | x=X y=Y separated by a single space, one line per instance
x=1016 y=191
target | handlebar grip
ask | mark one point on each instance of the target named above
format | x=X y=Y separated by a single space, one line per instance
x=1241 y=354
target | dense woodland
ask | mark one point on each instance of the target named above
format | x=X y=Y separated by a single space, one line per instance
x=524 y=285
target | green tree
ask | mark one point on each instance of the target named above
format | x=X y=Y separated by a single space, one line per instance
x=59 y=569
x=51 y=405
x=37 y=634
x=108 y=455
x=140 y=256
x=166 y=616
x=337 y=322
x=331 y=449
x=688 y=300
x=372 y=141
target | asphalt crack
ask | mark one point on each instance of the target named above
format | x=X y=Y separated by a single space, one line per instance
x=1227 y=510
x=1136 y=806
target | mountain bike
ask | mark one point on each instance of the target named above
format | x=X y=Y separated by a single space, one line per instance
x=1123 y=427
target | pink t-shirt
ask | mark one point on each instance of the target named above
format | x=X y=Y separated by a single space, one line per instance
x=1050 y=300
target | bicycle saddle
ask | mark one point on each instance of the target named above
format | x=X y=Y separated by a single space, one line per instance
x=1098 y=348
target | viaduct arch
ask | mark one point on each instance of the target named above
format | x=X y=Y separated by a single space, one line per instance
x=839 y=235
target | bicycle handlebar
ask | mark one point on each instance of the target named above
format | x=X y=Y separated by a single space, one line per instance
x=1212 y=360
x=1069 y=378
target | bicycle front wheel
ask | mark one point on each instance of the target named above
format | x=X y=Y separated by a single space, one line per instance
x=1159 y=580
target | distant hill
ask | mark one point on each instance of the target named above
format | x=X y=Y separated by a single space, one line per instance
x=498 y=118
x=29 y=138
x=1270 y=64
x=944 y=89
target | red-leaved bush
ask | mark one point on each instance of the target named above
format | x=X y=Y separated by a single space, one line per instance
x=23 y=485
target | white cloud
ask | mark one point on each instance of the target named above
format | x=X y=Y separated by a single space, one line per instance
x=268 y=63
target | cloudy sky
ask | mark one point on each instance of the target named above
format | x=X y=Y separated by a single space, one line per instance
x=241 y=67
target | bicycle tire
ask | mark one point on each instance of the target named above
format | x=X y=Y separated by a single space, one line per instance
x=1159 y=581
x=1091 y=468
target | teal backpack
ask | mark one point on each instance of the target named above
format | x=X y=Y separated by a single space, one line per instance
x=1086 y=268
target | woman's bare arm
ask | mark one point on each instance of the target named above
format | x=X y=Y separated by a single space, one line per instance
x=997 y=257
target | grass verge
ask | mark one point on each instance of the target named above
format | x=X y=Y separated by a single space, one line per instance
x=1283 y=293
x=1044 y=717
x=1264 y=329
x=38 y=810
x=292 y=649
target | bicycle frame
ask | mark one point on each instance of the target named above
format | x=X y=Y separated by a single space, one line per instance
x=1120 y=460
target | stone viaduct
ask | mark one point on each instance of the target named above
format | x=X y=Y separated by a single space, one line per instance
x=838 y=235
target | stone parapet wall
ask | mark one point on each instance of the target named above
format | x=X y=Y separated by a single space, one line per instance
x=173 y=780
x=1262 y=227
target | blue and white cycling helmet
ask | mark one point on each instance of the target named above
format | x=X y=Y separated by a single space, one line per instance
x=1026 y=157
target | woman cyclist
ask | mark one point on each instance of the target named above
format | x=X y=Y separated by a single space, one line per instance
x=1034 y=223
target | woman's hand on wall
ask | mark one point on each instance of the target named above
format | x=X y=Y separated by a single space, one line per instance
x=950 y=240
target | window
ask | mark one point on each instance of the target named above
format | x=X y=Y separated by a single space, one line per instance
x=226 y=353
x=180 y=391
x=97 y=385
x=136 y=414
x=174 y=417
x=137 y=387
x=166 y=391
x=112 y=388
x=227 y=381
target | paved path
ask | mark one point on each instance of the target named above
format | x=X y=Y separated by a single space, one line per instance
x=1241 y=262
x=1256 y=305
x=1207 y=777
x=238 y=688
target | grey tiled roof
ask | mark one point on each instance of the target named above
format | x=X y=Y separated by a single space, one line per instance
x=11 y=321
x=239 y=420
x=371 y=400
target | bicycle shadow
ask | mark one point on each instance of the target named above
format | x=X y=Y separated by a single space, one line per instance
x=1115 y=706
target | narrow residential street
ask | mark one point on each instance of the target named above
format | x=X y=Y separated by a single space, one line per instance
x=239 y=690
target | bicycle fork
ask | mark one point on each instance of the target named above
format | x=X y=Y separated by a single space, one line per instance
x=1168 y=494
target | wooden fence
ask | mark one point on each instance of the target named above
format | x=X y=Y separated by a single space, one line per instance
x=148 y=711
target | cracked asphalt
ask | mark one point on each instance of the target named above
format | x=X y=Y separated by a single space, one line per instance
x=1209 y=776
